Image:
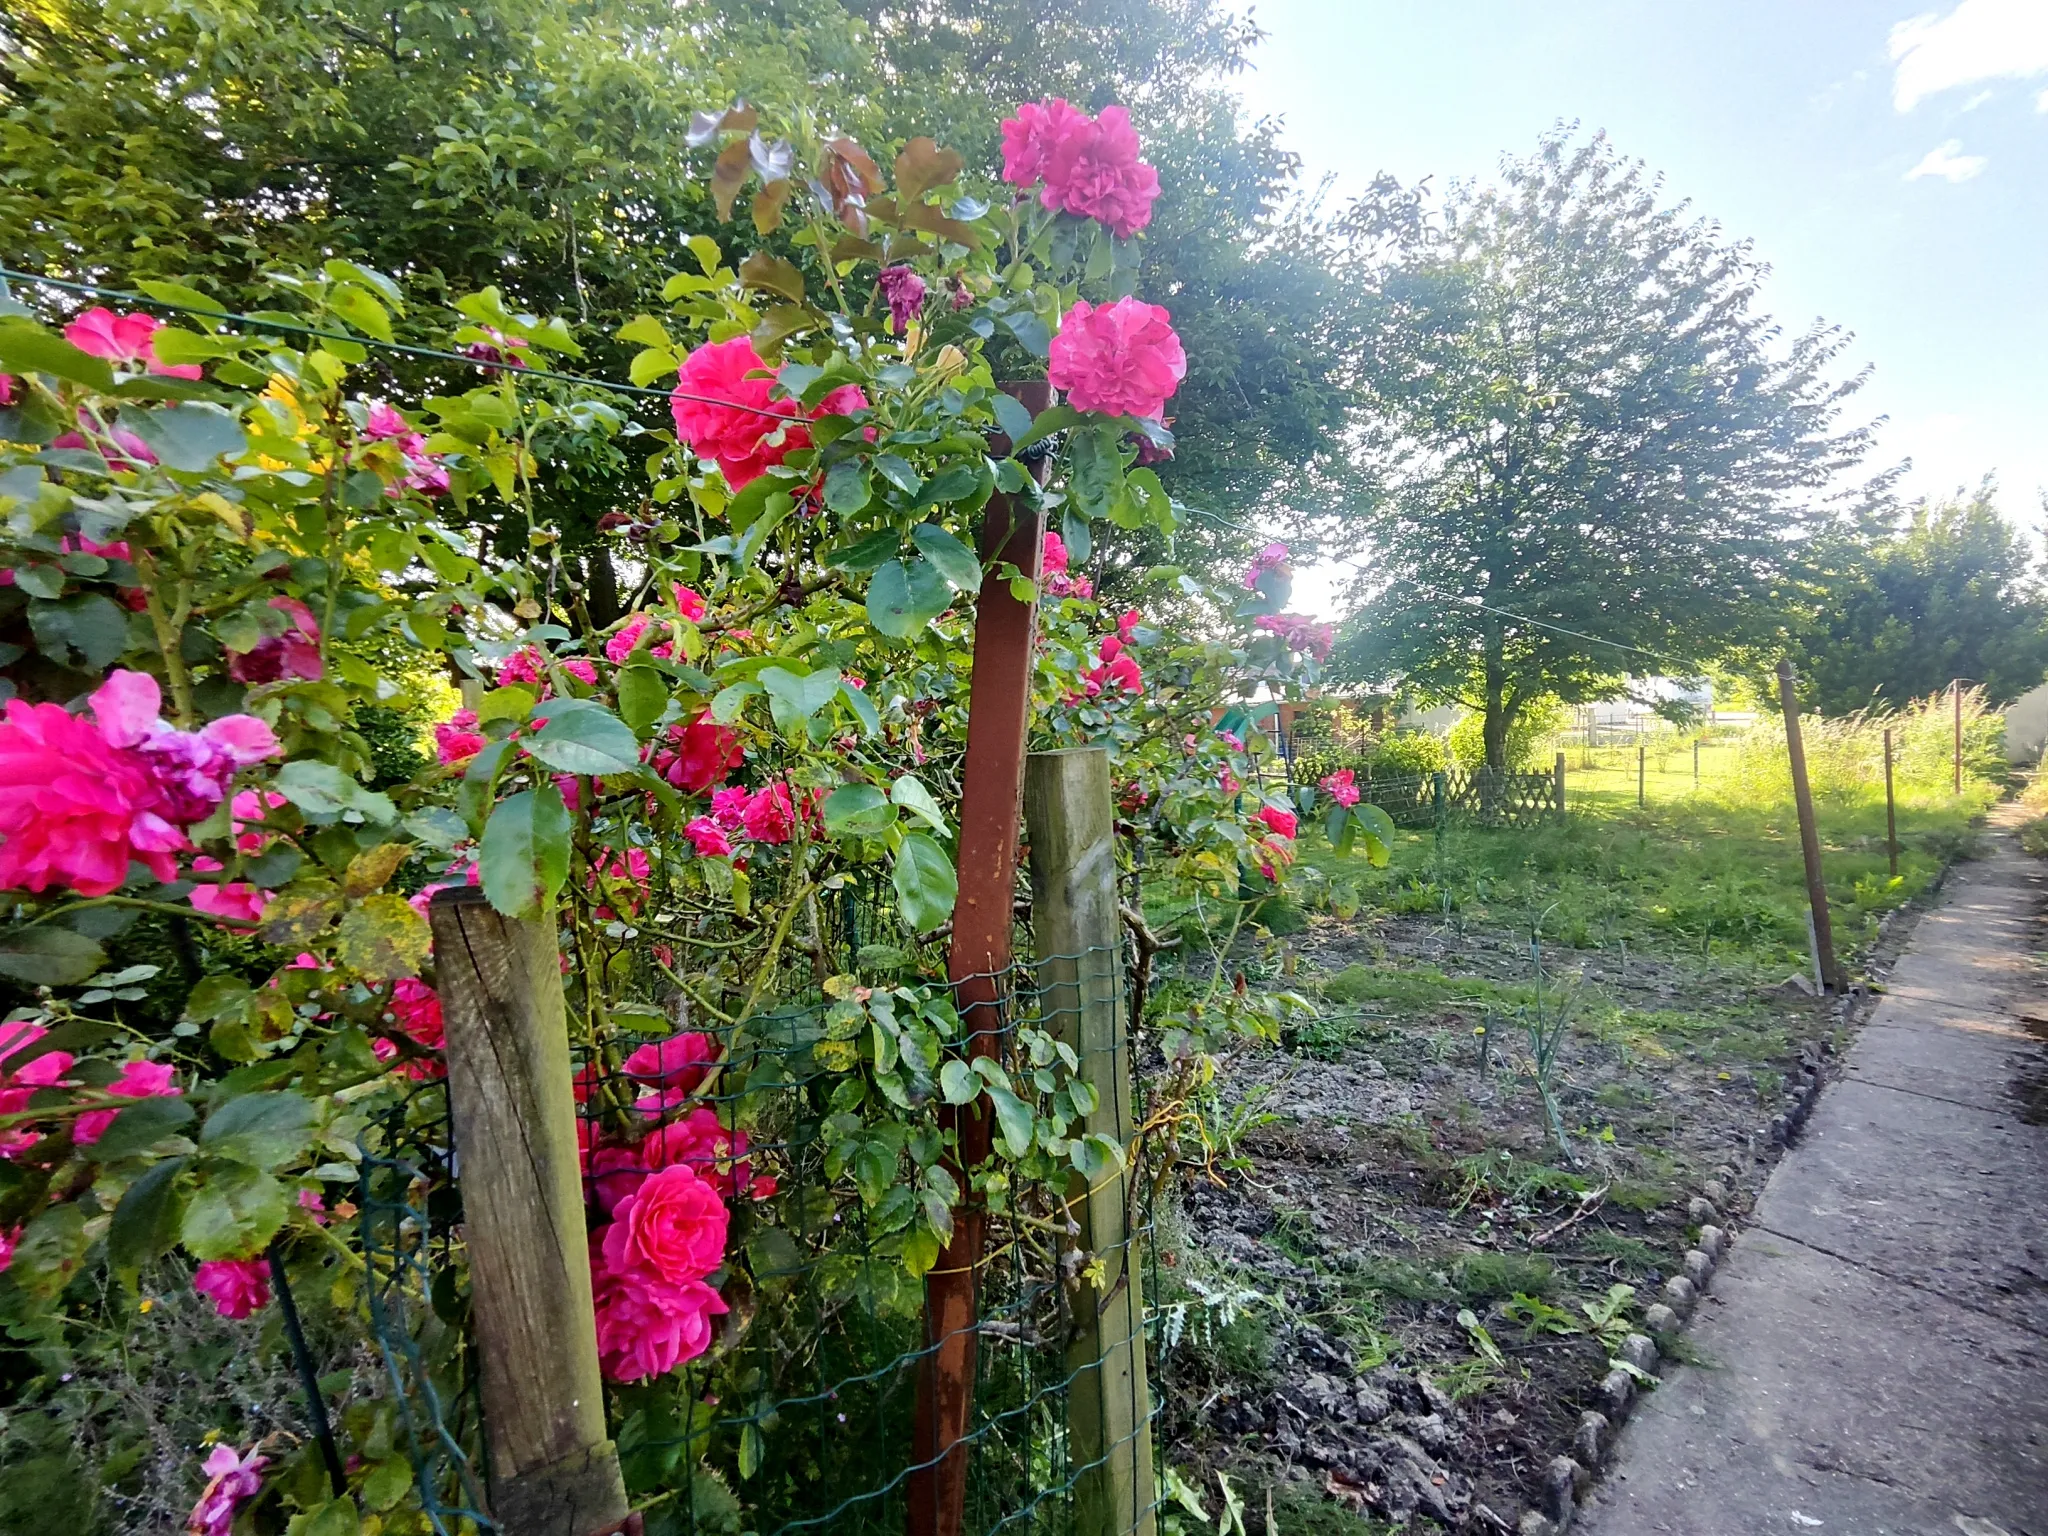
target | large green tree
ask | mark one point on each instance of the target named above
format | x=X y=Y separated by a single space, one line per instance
x=542 y=146
x=1585 y=428
x=1903 y=607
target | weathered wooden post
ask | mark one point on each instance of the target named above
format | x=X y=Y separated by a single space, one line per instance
x=1070 y=821
x=1557 y=775
x=1891 y=815
x=553 y=1471
x=1809 y=835
x=1642 y=773
x=977 y=964
x=1695 y=762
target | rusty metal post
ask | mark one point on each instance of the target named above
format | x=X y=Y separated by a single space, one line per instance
x=992 y=787
x=1809 y=836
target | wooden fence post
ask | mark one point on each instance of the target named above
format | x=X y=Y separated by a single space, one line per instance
x=1557 y=774
x=1891 y=816
x=978 y=964
x=1809 y=835
x=553 y=1471
x=1070 y=822
x=1642 y=770
x=1956 y=695
x=1695 y=762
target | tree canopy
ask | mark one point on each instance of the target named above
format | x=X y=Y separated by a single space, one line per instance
x=1599 y=457
x=1905 y=606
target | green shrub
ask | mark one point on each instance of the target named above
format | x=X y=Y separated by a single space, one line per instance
x=1406 y=753
x=1538 y=721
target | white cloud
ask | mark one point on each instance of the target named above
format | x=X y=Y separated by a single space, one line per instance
x=2041 y=102
x=1949 y=162
x=1979 y=40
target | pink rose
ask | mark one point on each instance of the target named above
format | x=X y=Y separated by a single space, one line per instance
x=698 y=755
x=673 y=1226
x=235 y=899
x=769 y=816
x=1120 y=359
x=677 y=1063
x=1274 y=557
x=76 y=809
x=646 y=1327
x=621 y=645
x=457 y=740
x=729 y=807
x=232 y=1481
x=237 y=1287
x=723 y=409
x=1038 y=129
x=690 y=604
x=138 y=1080
x=1283 y=823
x=8 y=1238
x=1340 y=787
x=708 y=838
x=1119 y=670
x=1095 y=172
x=903 y=291
x=293 y=653
x=702 y=1143
x=126 y=339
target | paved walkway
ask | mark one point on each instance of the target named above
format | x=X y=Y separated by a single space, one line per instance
x=1875 y=1348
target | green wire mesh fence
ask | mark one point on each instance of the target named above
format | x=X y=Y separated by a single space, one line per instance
x=799 y=1417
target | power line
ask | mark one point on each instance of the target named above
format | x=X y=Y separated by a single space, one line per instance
x=436 y=354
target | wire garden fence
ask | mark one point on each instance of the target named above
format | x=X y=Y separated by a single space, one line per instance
x=825 y=1332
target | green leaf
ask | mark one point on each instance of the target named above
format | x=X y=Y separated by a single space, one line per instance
x=956 y=482
x=730 y=700
x=26 y=347
x=904 y=598
x=897 y=471
x=910 y=793
x=771 y=274
x=1014 y=1121
x=846 y=486
x=512 y=702
x=955 y=561
x=857 y=700
x=590 y=740
x=361 y=310
x=145 y=1224
x=260 y=1129
x=645 y=331
x=858 y=810
x=1057 y=418
x=179 y=295
x=138 y=1128
x=804 y=694
x=48 y=957
x=926 y=886
x=643 y=696
x=1013 y=416
x=51 y=1251
x=323 y=790
x=751 y=542
x=89 y=623
x=525 y=852
x=958 y=1084
x=190 y=436
x=866 y=553
x=235 y=1210
x=337 y=1517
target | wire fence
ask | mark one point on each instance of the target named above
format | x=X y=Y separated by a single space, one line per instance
x=799 y=1416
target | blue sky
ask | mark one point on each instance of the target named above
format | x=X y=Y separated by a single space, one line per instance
x=1890 y=163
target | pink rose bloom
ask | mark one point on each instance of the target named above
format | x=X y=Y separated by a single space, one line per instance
x=232 y=1482
x=1274 y=557
x=9 y=1237
x=250 y=807
x=126 y=339
x=708 y=838
x=1299 y=632
x=528 y=665
x=416 y=1009
x=903 y=291
x=770 y=816
x=1119 y=670
x=702 y=1144
x=136 y=450
x=1281 y=822
x=646 y=1327
x=78 y=803
x=723 y=410
x=699 y=755
x=45 y=1071
x=1120 y=359
x=6 y=389
x=234 y=899
x=614 y=1173
x=138 y=1080
x=294 y=653
x=690 y=603
x=457 y=740
x=1340 y=787
x=1095 y=172
x=621 y=645
x=1052 y=558
x=237 y=1287
x=729 y=807
x=677 y=1063
x=1030 y=138
x=385 y=422
x=673 y=1226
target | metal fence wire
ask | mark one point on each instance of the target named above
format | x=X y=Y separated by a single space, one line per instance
x=799 y=1416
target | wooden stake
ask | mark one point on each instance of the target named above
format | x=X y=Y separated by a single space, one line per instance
x=1557 y=776
x=1070 y=821
x=1695 y=762
x=1809 y=834
x=978 y=963
x=553 y=1471
x=1642 y=771
x=1891 y=817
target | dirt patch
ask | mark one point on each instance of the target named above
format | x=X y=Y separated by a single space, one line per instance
x=1404 y=1299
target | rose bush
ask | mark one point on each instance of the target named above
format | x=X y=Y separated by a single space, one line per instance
x=232 y=547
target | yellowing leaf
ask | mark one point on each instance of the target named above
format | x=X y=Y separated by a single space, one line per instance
x=372 y=869
x=383 y=939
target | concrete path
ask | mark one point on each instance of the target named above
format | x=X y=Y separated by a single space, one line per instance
x=1875 y=1348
